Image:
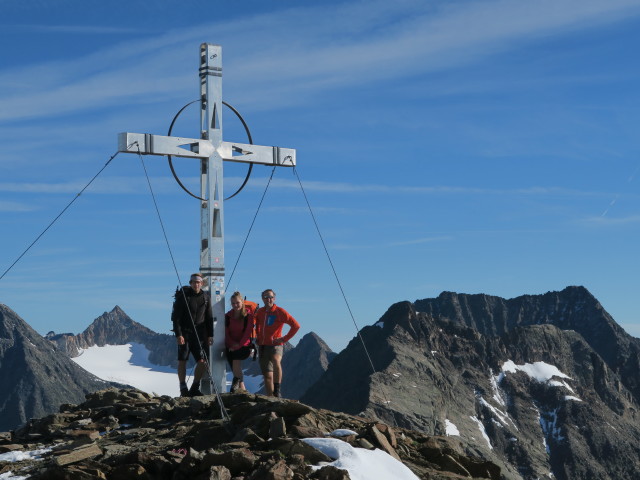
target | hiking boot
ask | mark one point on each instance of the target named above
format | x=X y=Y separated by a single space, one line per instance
x=234 y=385
x=194 y=391
x=184 y=392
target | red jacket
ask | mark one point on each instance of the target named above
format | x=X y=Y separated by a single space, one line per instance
x=237 y=330
x=269 y=325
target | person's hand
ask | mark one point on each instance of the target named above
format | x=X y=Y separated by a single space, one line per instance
x=278 y=341
x=210 y=340
x=180 y=340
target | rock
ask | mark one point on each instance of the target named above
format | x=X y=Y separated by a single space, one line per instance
x=202 y=446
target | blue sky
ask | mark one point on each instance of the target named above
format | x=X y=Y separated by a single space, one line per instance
x=476 y=147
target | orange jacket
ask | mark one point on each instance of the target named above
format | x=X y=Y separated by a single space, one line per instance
x=269 y=326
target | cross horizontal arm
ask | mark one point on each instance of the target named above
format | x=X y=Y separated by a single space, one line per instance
x=247 y=153
x=148 y=144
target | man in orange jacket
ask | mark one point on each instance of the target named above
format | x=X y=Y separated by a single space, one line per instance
x=269 y=322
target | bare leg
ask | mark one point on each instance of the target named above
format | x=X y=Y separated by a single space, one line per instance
x=268 y=383
x=237 y=368
x=277 y=369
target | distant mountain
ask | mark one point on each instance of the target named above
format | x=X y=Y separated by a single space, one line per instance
x=35 y=378
x=546 y=386
x=304 y=365
x=117 y=328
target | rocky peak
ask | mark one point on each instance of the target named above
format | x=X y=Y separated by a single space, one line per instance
x=117 y=328
x=305 y=364
x=36 y=377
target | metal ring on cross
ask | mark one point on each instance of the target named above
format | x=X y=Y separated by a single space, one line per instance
x=246 y=129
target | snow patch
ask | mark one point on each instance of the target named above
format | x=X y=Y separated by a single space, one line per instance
x=361 y=464
x=570 y=397
x=342 y=432
x=482 y=430
x=19 y=455
x=129 y=364
x=540 y=371
x=451 y=429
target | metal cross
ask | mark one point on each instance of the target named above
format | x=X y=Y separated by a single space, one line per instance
x=212 y=150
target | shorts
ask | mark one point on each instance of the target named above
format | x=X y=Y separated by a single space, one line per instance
x=267 y=352
x=240 y=354
x=191 y=345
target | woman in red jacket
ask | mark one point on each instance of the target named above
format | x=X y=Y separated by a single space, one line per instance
x=238 y=328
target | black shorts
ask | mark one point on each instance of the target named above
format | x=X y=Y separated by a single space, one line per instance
x=240 y=354
x=191 y=345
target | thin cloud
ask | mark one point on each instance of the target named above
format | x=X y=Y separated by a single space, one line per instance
x=418 y=241
x=343 y=187
x=15 y=207
x=130 y=185
x=70 y=29
x=305 y=210
x=408 y=38
x=602 y=221
x=108 y=185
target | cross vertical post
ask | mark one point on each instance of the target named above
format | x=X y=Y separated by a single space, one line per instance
x=212 y=211
x=212 y=151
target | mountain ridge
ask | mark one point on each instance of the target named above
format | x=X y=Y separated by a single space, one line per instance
x=435 y=369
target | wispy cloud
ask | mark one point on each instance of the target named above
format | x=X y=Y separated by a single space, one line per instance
x=305 y=210
x=70 y=29
x=15 y=207
x=366 y=42
x=129 y=185
x=344 y=187
x=418 y=241
x=107 y=185
x=602 y=221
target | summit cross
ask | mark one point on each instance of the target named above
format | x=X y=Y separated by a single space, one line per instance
x=212 y=151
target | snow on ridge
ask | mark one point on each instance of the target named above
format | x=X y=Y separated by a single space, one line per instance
x=502 y=416
x=557 y=383
x=451 y=429
x=482 y=430
x=550 y=428
x=540 y=371
x=495 y=385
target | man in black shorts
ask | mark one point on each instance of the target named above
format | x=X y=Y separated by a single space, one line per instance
x=193 y=326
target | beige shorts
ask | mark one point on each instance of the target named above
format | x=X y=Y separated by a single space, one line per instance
x=266 y=354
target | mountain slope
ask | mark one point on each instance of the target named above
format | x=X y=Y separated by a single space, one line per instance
x=304 y=365
x=34 y=377
x=505 y=377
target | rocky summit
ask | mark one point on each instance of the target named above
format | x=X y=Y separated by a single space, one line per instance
x=127 y=434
